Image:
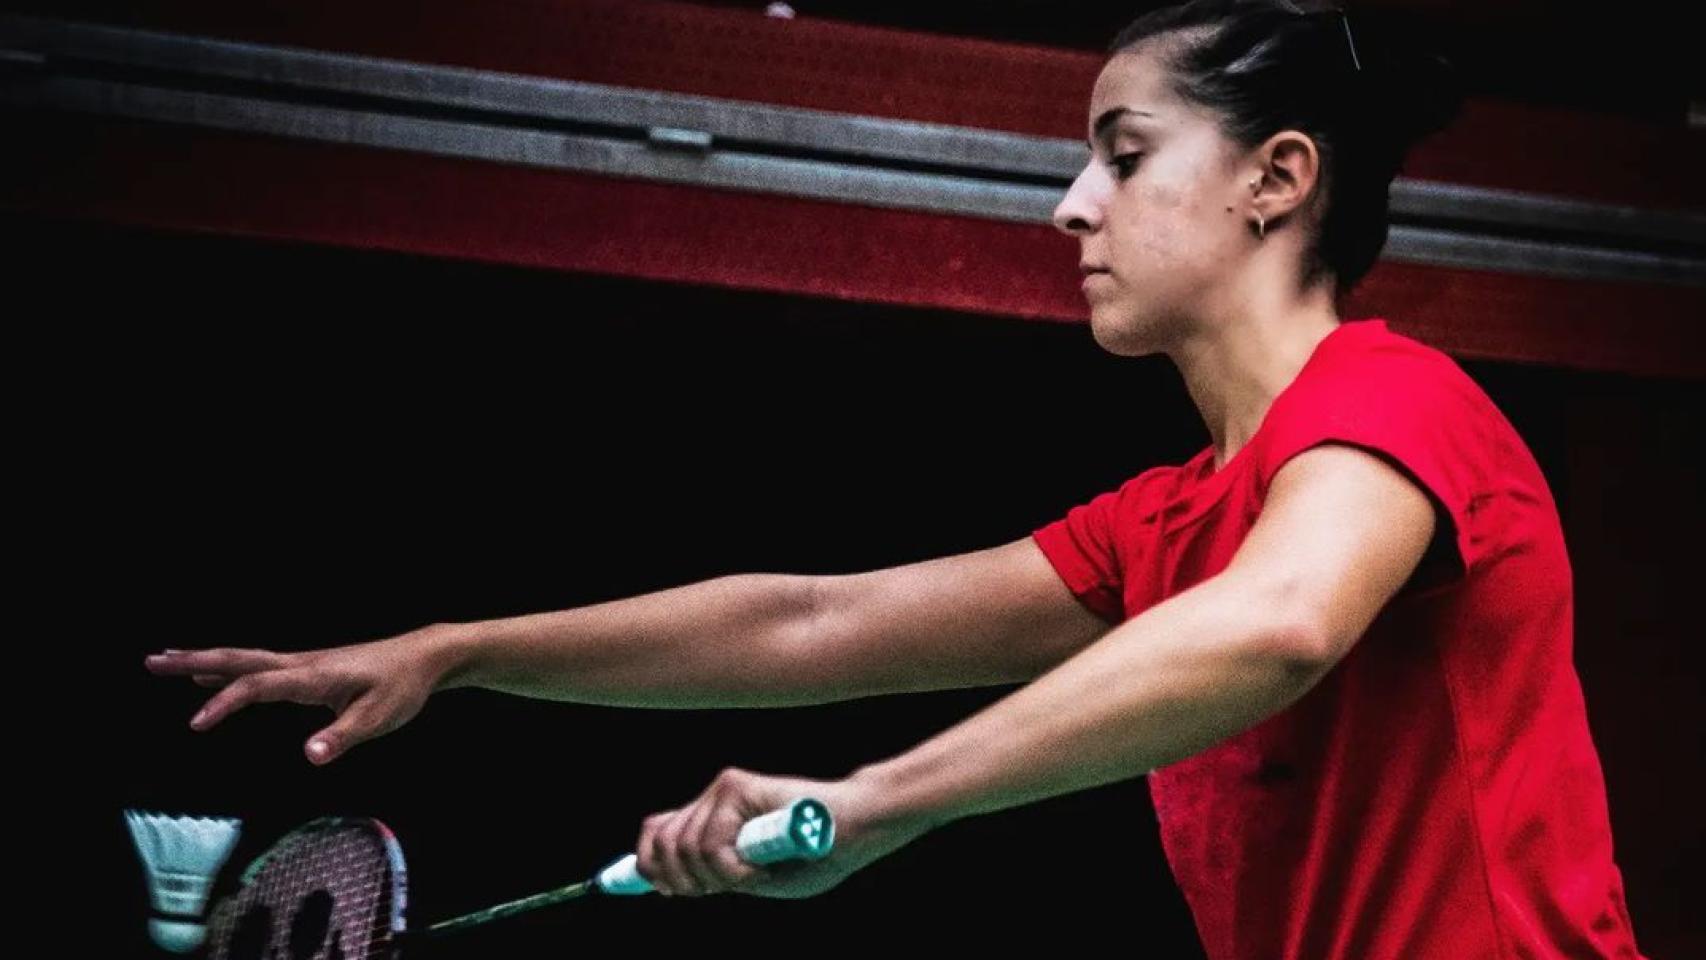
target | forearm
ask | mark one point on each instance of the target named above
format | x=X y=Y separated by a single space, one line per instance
x=719 y=643
x=1187 y=673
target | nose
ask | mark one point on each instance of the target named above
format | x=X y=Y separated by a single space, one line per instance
x=1080 y=211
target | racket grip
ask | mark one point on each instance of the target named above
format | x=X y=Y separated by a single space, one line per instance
x=802 y=830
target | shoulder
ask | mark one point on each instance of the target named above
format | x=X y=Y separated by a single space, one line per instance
x=1368 y=356
x=1374 y=382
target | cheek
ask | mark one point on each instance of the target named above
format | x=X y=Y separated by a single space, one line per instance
x=1165 y=229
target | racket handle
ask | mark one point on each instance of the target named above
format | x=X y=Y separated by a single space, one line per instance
x=802 y=830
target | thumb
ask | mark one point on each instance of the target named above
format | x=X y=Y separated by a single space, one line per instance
x=358 y=723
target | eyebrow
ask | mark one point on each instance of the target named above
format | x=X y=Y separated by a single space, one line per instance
x=1109 y=118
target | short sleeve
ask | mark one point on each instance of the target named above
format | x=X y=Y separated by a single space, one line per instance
x=1084 y=549
x=1418 y=412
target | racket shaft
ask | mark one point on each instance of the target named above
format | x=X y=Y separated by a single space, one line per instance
x=803 y=830
x=510 y=909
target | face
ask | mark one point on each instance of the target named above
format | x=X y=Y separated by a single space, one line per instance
x=1151 y=209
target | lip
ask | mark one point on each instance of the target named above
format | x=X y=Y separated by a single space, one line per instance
x=1091 y=276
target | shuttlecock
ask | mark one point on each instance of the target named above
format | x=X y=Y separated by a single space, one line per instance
x=182 y=856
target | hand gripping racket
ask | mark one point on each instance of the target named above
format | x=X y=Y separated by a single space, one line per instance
x=337 y=888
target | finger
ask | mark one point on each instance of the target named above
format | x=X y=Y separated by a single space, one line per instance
x=717 y=841
x=220 y=661
x=251 y=689
x=710 y=849
x=361 y=721
x=210 y=680
x=736 y=873
x=669 y=849
x=646 y=852
x=697 y=840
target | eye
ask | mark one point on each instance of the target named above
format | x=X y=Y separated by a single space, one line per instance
x=1125 y=164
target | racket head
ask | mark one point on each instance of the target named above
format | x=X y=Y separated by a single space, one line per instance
x=332 y=889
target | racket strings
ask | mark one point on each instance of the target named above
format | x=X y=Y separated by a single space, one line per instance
x=325 y=895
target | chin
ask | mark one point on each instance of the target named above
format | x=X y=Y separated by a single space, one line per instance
x=1122 y=331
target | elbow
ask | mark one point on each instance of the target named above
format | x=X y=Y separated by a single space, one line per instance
x=819 y=610
x=808 y=656
x=1283 y=626
x=1302 y=648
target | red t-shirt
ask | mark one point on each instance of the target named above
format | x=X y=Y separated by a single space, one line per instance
x=1437 y=794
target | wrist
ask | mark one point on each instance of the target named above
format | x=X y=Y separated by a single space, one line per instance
x=889 y=802
x=456 y=652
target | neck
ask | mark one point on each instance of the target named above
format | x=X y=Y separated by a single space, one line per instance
x=1241 y=357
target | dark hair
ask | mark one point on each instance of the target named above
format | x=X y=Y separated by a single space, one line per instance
x=1271 y=65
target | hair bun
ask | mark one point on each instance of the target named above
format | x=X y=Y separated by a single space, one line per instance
x=1412 y=93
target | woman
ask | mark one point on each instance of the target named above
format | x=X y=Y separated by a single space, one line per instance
x=1339 y=637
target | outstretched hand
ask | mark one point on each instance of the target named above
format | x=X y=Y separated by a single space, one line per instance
x=373 y=688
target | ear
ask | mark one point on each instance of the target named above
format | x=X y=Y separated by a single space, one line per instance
x=1288 y=166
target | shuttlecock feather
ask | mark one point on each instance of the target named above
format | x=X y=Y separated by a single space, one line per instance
x=182 y=857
